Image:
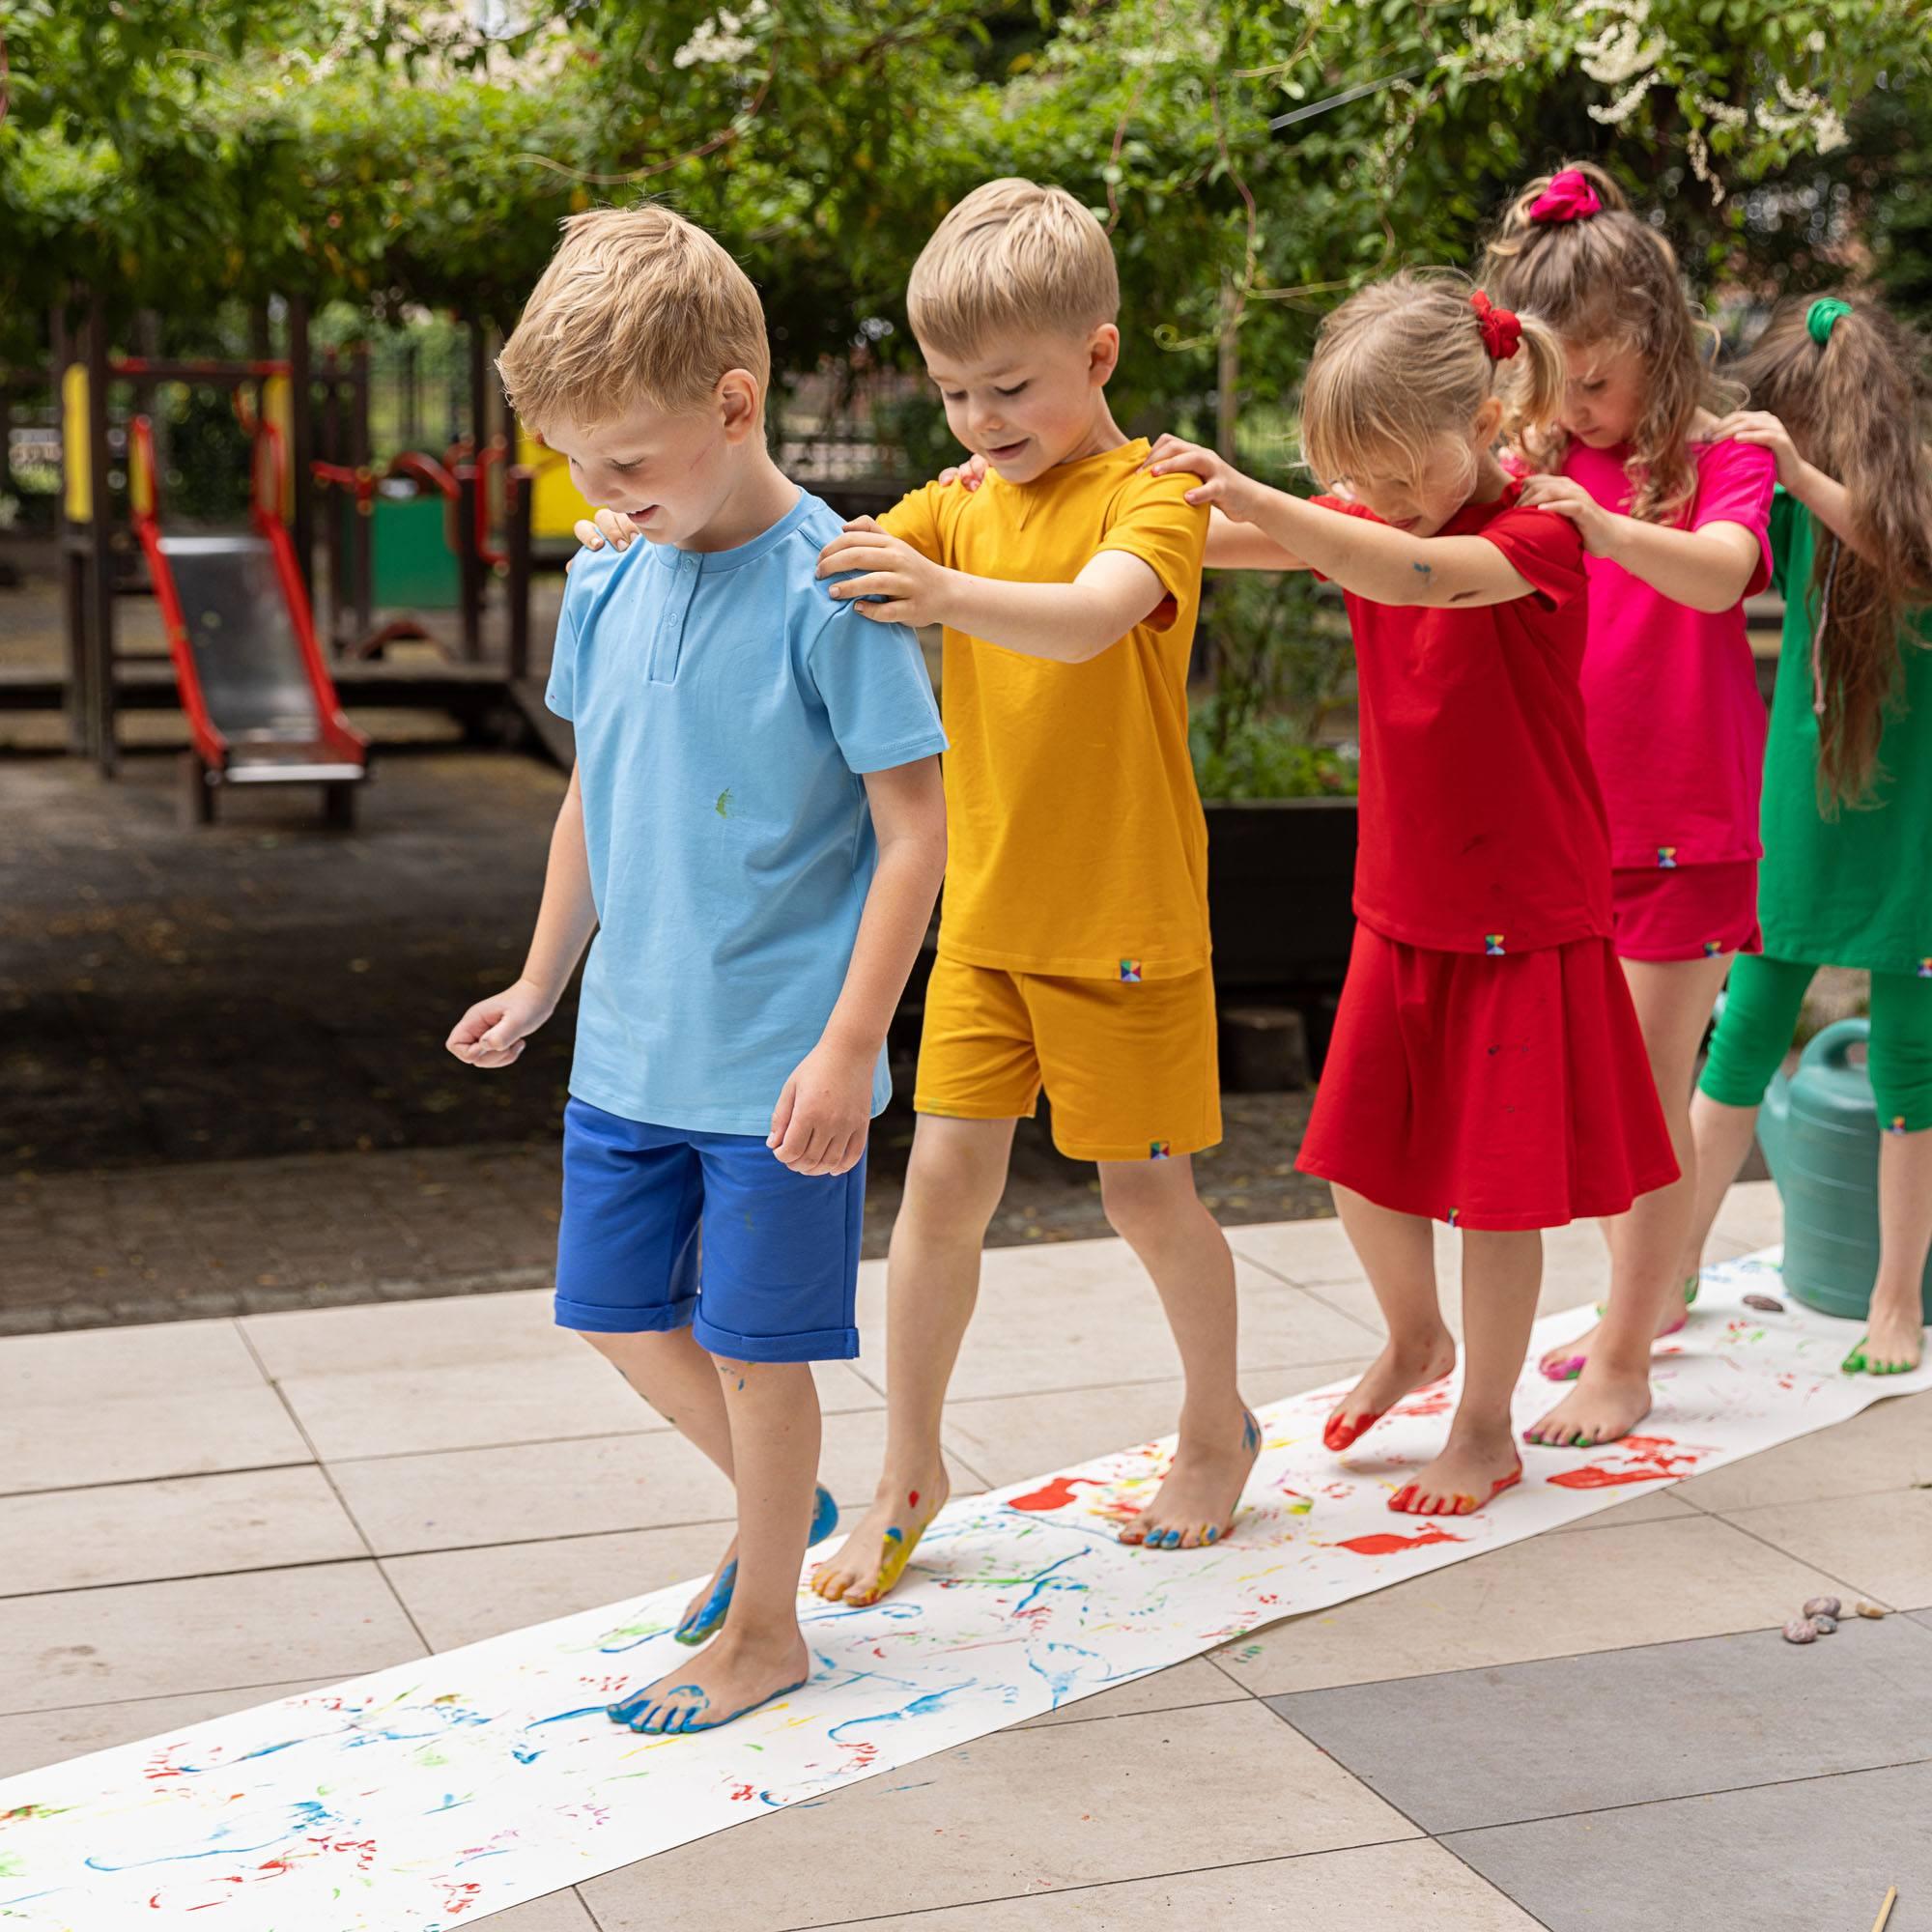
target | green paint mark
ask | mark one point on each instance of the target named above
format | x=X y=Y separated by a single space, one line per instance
x=724 y=806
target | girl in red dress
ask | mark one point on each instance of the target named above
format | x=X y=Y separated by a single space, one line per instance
x=1486 y=1069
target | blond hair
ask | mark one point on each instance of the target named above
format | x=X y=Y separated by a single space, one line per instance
x=1017 y=256
x=1611 y=278
x=1403 y=364
x=637 y=306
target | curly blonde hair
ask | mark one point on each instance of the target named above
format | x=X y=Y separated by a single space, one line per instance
x=1611 y=277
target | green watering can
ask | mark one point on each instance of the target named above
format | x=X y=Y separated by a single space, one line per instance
x=1819 y=1130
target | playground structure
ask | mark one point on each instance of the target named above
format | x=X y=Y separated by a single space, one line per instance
x=313 y=478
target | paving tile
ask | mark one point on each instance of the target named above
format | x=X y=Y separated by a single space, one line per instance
x=1081 y=1313
x=1010 y=1438
x=469 y=1497
x=1548 y=1595
x=1878 y=1547
x=1021 y=1811
x=1888 y=1446
x=122 y=1405
x=460 y=1596
x=31 y=1739
x=186 y=1526
x=1411 y=1888
x=1180 y=1687
x=1470 y=1748
x=164 y=1639
x=559 y=1912
x=1784 y=1858
x=439 y=1332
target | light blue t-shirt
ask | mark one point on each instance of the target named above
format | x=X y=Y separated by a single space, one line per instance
x=724 y=706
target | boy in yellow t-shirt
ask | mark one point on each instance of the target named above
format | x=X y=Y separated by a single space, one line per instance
x=1073 y=949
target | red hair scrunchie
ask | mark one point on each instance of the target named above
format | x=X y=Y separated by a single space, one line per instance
x=1568 y=197
x=1502 y=332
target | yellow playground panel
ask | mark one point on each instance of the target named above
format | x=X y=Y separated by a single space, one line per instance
x=554 y=505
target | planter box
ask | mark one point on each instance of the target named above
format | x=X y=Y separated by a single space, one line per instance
x=1280 y=876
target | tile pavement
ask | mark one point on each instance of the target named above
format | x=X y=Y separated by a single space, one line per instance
x=1597 y=1728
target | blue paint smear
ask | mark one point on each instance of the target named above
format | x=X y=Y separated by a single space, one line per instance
x=1063 y=1677
x=307 y=1816
x=564 y=1716
x=1041 y=1583
x=229 y=1763
x=919 y=1707
x=451 y=1803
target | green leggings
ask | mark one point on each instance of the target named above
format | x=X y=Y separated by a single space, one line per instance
x=1761 y=1008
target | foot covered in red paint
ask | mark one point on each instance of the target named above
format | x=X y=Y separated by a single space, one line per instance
x=873 y=1558
x=1603 y=1407
x=729 y=1678
x=1195 y=1503
x=1564 y=1363
x=1403 y=1367
x=1462 y=1479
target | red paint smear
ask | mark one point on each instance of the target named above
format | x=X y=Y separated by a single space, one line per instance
x=1385 y=1542
x=912 y=1499
x=1435 y=1402
x=1592 y=1478
x=1056 y=1494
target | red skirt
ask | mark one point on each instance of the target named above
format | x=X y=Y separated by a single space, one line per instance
x=1506 y=1092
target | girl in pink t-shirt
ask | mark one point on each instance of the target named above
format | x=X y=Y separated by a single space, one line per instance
x=1676 y=526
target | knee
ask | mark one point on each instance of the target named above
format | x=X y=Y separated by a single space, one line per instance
x=1139 y=1201
x=1901 y=1078
x=950 y=1195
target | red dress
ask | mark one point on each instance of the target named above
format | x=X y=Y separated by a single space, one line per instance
x=1487 y=1068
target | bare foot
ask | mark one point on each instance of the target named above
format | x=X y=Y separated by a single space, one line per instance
x=1195 y=1503
x=1467 y=1475
x=734 y=1675
x=1603 y=1406
x=1404 y=1366
x=875 y=1556
x=704 y=1615
x=1564 y=1363
x=1893 y=1343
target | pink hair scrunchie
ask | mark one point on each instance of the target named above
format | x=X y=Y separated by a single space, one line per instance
x=1568 y=197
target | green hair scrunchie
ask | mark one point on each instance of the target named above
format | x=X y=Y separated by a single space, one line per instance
x=1822 y=317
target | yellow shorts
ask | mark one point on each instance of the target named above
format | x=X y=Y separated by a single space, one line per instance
x=1131 y=1068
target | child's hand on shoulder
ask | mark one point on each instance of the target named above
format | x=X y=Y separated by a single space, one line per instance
x=492 y=1032
x=1596 y=524
x=1221 y=484
x=905 y=585
x=820 y=1123
x=1761 y=427
x=609 y=526
x=969 y=475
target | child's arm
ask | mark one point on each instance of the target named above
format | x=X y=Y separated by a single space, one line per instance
x=1825 y=497
x=1706 y=569
x=820 y=1123
x=492 y=1032
x=1374 y=561
x=1067 y=622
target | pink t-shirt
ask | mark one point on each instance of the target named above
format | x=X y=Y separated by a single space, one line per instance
x=1670 y=700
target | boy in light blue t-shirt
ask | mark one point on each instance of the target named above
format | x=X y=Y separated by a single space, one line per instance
x=754 y=831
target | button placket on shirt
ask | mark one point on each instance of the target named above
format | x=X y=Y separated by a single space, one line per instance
x=674 y=608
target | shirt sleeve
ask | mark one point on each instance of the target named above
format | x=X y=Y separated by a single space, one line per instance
x=1734 y=481
x=1784 y=515
x=560 y=692
x=1153 y=520
x=915 y=520
x=1545 y=549
x=873 y=681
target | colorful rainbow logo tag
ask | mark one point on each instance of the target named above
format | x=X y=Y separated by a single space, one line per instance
x=1897 y=1125
x=1493 y=945
x=1130 y=972
x=1450 y=1217
x=1160 y=1149
x=1712 y=947
x=1925 y=969
x=1666 y=858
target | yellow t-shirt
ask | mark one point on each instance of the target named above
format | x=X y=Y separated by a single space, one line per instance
x=1076 y=844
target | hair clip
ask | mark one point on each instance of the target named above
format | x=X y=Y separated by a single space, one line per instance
x=1822 y=317
x=1502 y=331
x=1568 y=197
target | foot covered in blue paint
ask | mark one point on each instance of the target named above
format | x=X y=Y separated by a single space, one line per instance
x=1196 y=1501
x=1893 y=1343
x=736 y=1675
x=705 y=1616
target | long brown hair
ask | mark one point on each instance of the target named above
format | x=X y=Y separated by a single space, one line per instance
x=1855 y=407
x=1611 y=277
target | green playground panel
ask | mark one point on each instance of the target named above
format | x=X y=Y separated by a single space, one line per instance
x=413 y=567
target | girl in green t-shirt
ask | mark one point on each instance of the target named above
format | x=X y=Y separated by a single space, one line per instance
x=1846 y=878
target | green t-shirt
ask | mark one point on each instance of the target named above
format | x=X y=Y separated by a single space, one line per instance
x=1856 y=890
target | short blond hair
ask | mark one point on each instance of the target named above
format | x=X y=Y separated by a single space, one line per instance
x=1012 y=256
x=1403 y=365
x=637 y=306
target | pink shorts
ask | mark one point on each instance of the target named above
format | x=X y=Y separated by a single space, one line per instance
x=1686 y=912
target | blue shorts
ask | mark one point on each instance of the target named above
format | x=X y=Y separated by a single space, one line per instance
x=781 y=1250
